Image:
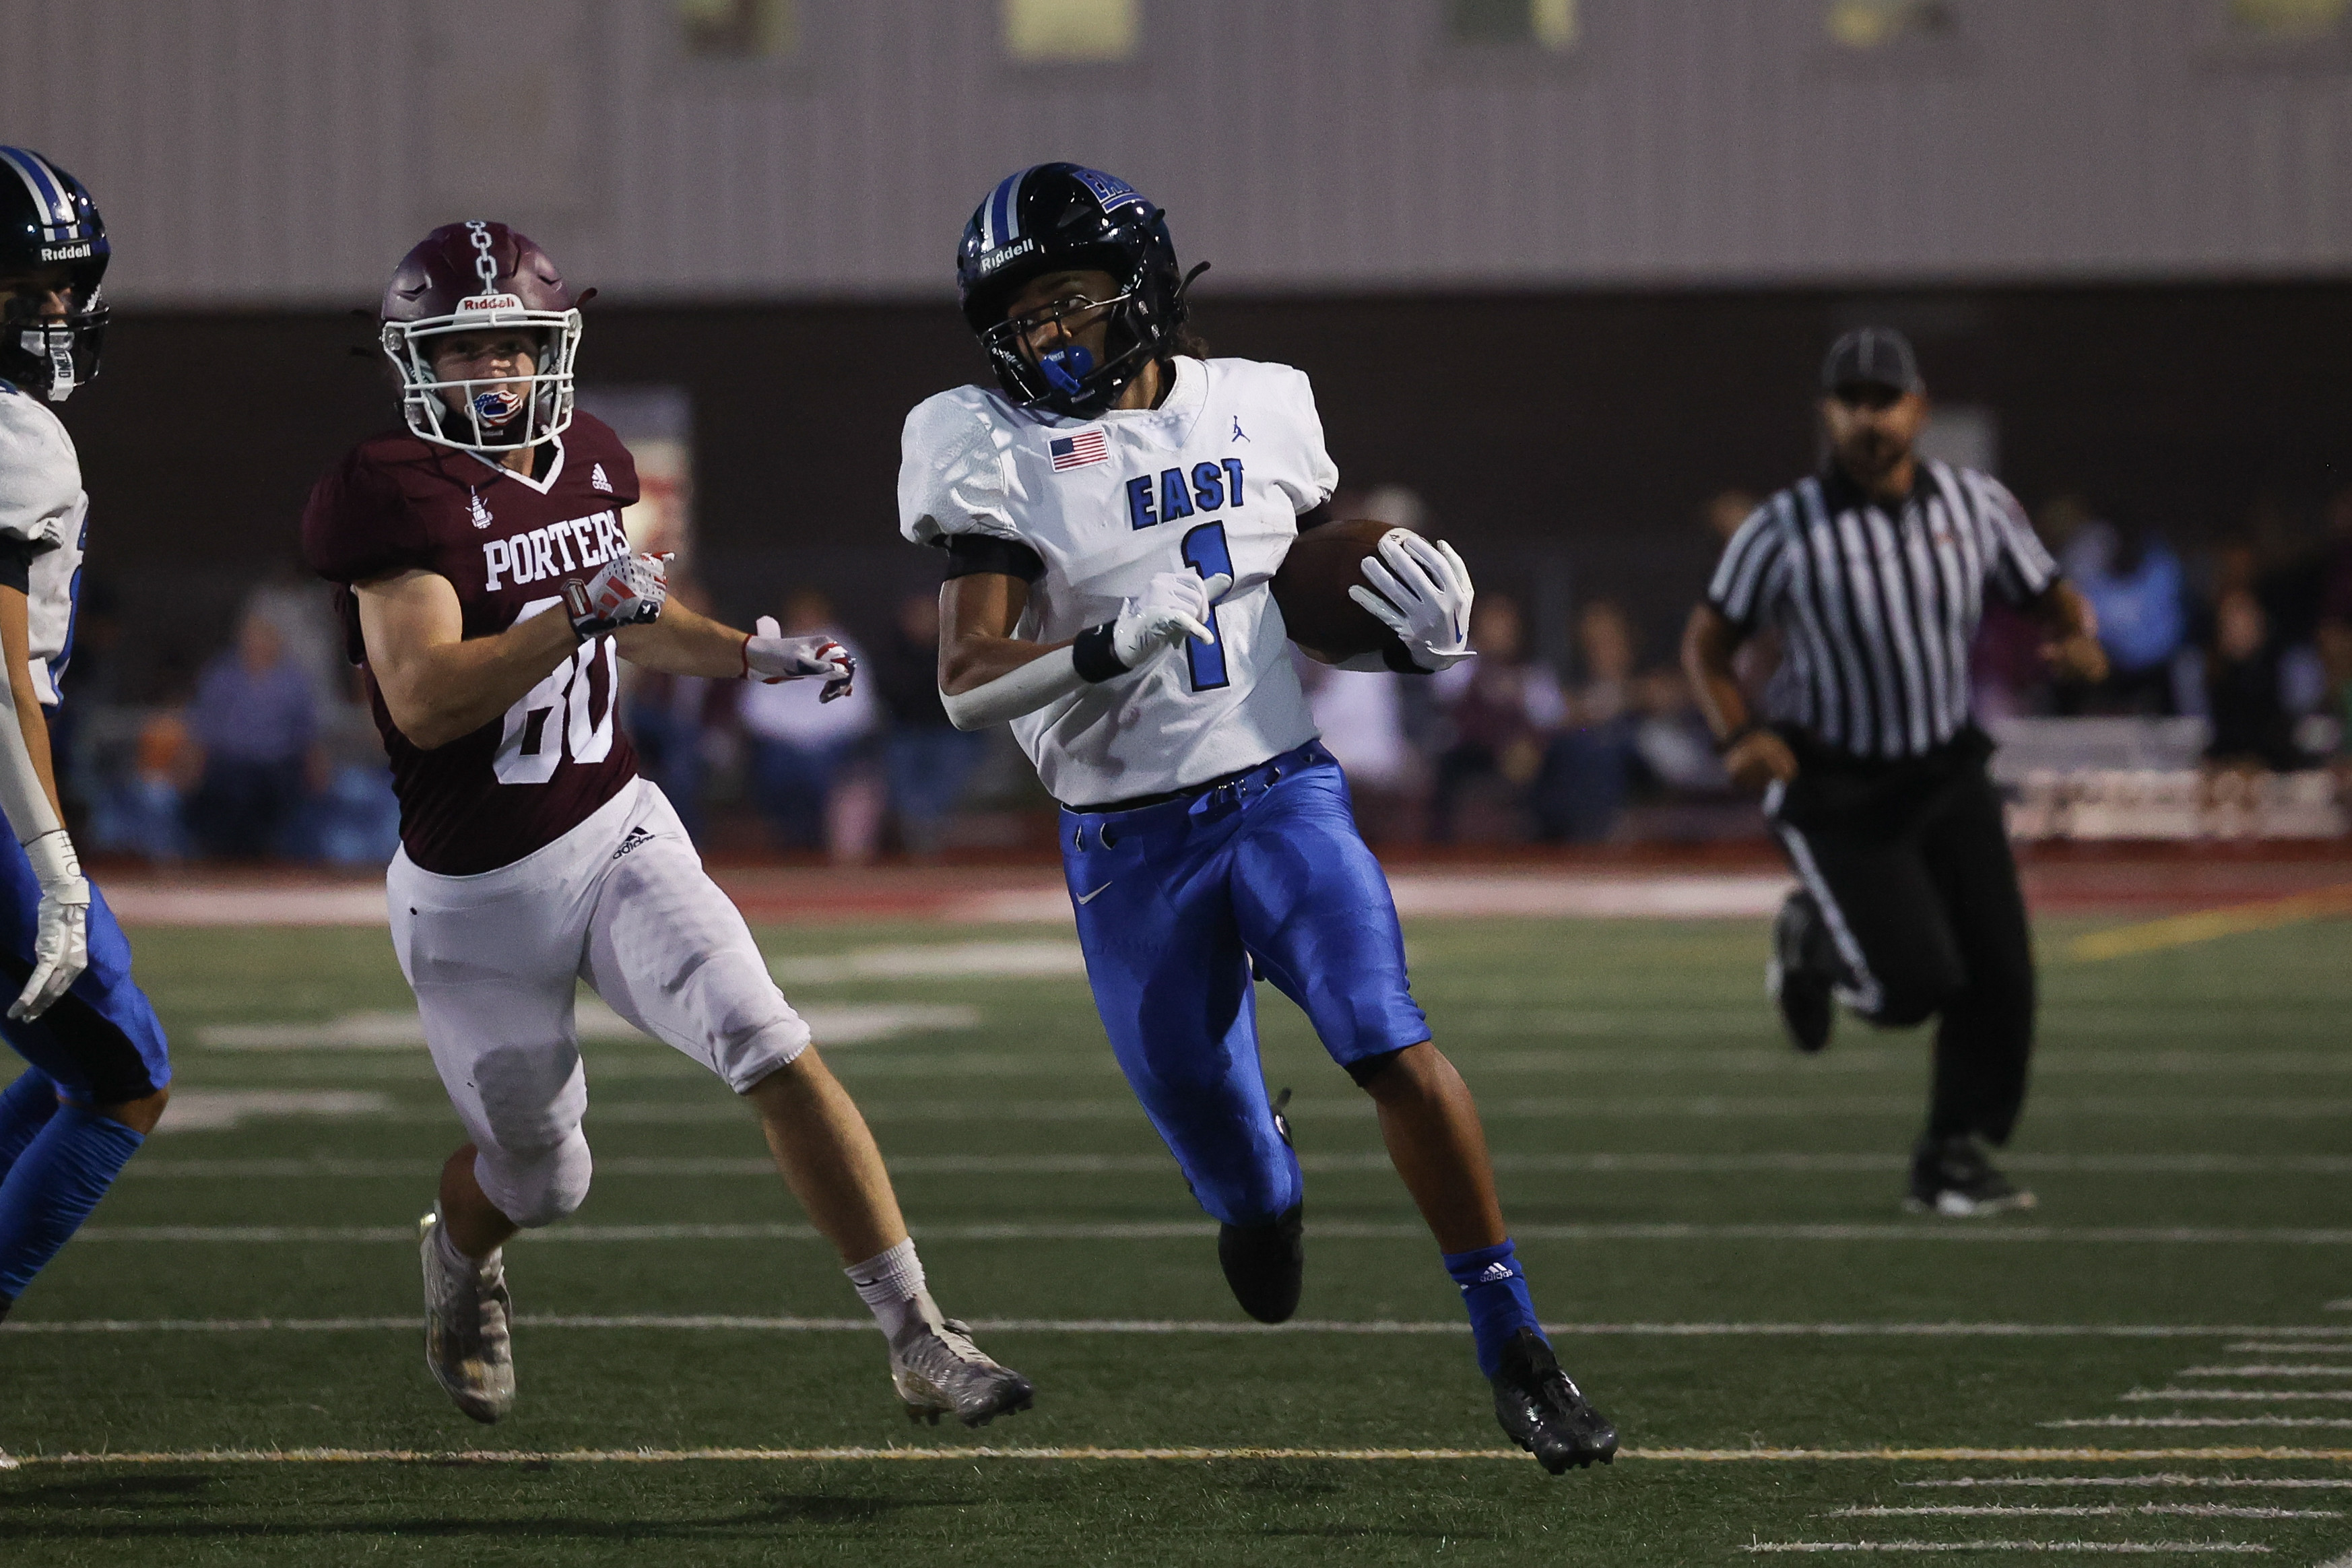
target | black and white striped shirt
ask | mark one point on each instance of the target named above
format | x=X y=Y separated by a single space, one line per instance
x=1876 y=605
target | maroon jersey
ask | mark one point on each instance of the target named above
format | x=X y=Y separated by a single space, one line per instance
x=506 y=543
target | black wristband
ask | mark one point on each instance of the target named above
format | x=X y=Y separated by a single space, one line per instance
x=1094 y=655
x=1722 y=747
x=1398 y=657
x=585 y=622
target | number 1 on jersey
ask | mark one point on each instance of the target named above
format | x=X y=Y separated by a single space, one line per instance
x=1205 y=552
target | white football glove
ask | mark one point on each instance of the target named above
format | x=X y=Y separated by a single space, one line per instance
x=770 y=657
x=627 y=591
x=1174 y=608
x=1421 y=592
x=61 y=927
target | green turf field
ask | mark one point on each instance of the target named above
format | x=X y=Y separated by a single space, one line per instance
x=1713 y=1224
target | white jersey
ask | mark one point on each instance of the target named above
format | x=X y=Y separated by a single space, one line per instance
x=1213 y=479
x=42 y=505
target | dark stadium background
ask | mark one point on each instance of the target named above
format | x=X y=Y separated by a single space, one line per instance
x=1573 y=432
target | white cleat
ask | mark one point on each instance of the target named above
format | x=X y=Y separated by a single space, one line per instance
x=7 y=1460
x=467 y=1314
x=938 y=1370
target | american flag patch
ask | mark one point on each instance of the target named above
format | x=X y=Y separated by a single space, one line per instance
x=1076 y=451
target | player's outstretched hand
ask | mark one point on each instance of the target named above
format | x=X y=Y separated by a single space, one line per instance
x=61 y=926
x=1174 y=608
x=627 y=591
x=770 y=657
x=1422 y=592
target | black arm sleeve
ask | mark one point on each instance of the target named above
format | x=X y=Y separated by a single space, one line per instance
x=17 y=563
x=971 y=554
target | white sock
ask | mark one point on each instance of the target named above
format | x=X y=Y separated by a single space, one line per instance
x=891 y=1285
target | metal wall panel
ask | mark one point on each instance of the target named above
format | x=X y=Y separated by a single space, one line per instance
x=264 y=152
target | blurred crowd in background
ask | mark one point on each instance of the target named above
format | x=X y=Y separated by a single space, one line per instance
x=265 y=751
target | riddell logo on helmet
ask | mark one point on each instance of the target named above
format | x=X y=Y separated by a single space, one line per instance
x=996 y=259
x=476 y=304
x=66 y=252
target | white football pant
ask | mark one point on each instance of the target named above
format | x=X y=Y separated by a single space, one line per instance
x=622 y=903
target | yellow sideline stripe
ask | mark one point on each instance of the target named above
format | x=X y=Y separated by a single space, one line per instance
x=816 y=1456
x=2233 y=920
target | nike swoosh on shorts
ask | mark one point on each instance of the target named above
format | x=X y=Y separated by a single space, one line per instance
x=1089 y=898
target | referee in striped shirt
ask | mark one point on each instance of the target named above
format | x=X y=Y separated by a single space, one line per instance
x=1873 y=574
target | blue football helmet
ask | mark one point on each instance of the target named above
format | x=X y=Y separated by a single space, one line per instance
x=1059 y=217
x=50 y=225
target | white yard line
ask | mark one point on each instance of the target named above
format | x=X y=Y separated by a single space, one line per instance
x=193 y=903
x=957 y=961
x=2267 y=1347
x=403 y=1029
x=965 y=1455
x=2176 y=1422
x=1368 y=1162
x=2242 y=1395
x=1475 y=895
x=2086 y=1511
x=226 y=1107
x=2265 y=1370
x=2102 y=1548
x=1191 y=1230
x=219 y=1109
x=2161 y=1479
x=1375 y=1327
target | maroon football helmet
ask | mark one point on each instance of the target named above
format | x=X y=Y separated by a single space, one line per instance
x=467 y=277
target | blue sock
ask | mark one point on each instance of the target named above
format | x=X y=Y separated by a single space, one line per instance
x=26 y=1107
x=1494 y=1292
x=55 y=1184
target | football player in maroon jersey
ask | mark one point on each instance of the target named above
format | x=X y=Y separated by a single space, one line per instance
x=486 y=586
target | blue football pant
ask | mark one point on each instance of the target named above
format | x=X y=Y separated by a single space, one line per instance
x=100 y=1041
x=1172 y=903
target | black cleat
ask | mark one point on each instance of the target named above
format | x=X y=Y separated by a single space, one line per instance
x=1801 y=969
x=1266 y=1264
x=1544 y=1411
x=1952 y=1176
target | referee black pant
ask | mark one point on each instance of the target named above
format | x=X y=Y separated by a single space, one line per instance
x=1910 y=864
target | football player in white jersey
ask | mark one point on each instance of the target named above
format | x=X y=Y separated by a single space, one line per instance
x=1113 y=512
x=97 y=1065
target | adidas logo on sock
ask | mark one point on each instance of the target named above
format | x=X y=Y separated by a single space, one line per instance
x=1494 y=1273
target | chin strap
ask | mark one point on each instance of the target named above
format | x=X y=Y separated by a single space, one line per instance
x=54 y=345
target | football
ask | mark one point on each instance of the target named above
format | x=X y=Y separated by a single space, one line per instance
x=1312 y=586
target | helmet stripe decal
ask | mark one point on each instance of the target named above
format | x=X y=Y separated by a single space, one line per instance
x=48 y=190
x=1004 y=224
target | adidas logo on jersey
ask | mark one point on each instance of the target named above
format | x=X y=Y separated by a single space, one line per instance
x=636 y=838
x=481 y=514
x=596 y=477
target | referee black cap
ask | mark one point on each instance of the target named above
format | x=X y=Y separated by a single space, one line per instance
x=1871 y=356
